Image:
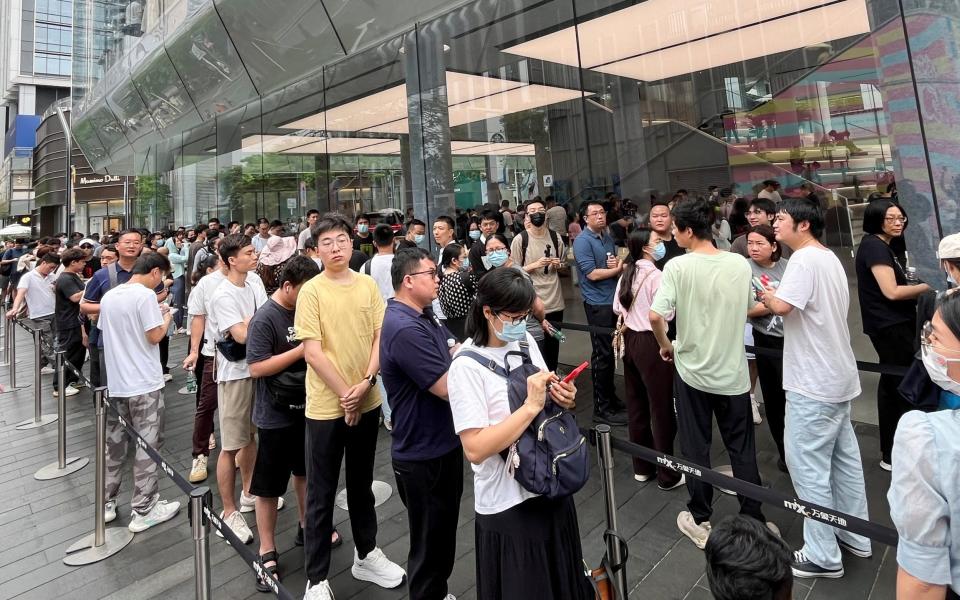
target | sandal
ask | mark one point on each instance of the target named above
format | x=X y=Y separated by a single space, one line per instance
x=272 y=570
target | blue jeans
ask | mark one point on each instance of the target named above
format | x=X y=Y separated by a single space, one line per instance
x=177 y=290
x=385 y=407
x=824 y=461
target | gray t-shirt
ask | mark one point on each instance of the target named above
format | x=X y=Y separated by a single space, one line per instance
x=269 y=334
x=769 y=324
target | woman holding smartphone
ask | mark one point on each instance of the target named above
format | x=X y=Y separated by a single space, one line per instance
x=527 y=546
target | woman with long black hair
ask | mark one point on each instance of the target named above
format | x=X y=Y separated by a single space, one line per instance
x=527 y=546
x=457 y=288
x=888 y=307
x=649 y=379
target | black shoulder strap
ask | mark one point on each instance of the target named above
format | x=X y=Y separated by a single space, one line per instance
x=112 y=274
x=486 y=362
x=367 y=267
x=555 y=240
x=524 y=242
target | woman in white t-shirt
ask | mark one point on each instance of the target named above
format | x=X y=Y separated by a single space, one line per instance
x=527 y=546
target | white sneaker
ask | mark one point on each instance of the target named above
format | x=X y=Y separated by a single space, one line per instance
x=321 y=591
x=213 y=442
x=885 y=466
x=642 y=478
x=161 y=512
x=167 y=377
x=67 y=391
x=238 y=525
x=449 y=597
x=698 y=534
x=377 y=568
x=198 y=472
x=757 y=419
x=109 y=511
x=47 y=371
x=248 y=504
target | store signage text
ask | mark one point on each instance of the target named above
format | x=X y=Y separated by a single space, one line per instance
x=87 y=180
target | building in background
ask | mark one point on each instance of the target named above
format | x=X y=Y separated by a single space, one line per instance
x=36 y=48
x=240 y=108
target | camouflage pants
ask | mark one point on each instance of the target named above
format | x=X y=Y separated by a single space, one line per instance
x=145 y=414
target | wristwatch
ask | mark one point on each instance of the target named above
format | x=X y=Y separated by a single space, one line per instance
x=372 y=379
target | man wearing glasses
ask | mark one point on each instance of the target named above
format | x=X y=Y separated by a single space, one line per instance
x=762 y=211
x=597 y=271
x=338 y=319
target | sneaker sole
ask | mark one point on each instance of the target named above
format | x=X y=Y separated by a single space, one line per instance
x=154 y=524
x=855 y=551
x=364 y=575
x=823 y=575
x=678 y=484
x=197 y=478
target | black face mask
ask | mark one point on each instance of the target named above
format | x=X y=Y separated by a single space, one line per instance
x=537 y=219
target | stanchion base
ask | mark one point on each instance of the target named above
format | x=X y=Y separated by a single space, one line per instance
x=84 y=552
x=31 y=424
x=725 y=470
x=381 y=493
x=53 y=470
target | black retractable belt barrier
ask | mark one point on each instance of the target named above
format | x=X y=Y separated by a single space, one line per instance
x=861 y=365
x=839 y=520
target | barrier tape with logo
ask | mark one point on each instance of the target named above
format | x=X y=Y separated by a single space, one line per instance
x=861 y=365
x=810 y=510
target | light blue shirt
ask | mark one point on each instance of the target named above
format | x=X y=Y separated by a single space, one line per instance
x=924 y=496
x=178 y=258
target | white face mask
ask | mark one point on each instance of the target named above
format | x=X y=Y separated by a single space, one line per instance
x=937 y=370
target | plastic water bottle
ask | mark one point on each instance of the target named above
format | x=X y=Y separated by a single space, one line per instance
x=191 y=382
x=912 y=277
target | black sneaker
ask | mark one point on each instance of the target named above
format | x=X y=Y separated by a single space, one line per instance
x=854 y=550
x=298 y=541
x=804 y=568
x=610 y=418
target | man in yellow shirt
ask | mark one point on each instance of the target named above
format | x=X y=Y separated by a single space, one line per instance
x=339 y=316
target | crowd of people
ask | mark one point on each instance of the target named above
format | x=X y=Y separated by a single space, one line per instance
x=303 y=343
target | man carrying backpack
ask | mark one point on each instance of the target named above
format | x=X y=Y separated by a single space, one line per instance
x=538 y=250
x=427 y=457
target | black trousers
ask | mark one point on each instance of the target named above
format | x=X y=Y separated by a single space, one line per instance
x=431 y=491
x=770 y=373
x=695 y=411
x=70 y=341
x=165 y=353
x=551 y=346
x=96 y=379
x=601 y=359
x=326 y=444
x=894 y=346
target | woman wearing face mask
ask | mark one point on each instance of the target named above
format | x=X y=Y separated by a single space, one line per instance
x=498 y=254
x=768 y=269
x=457 y=288
x=924 y=491
x=473 y=232
x=888 y=305
x=649 y=379
x=527 y=546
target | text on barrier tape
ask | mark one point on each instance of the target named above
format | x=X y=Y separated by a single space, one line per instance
x=874 y=531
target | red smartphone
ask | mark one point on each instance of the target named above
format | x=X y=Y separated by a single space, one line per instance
x=576 y=372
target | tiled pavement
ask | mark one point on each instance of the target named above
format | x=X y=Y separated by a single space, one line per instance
x=40 y=519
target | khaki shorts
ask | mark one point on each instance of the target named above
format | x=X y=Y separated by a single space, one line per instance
x=235 y=406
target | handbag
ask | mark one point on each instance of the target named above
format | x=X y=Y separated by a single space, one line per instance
x=601 y=578
x=232 y=350
x=619 y=347
x=288 y=389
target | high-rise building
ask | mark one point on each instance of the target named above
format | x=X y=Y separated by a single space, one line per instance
x=36 y=48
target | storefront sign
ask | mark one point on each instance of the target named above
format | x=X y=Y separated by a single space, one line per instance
x=98 y=179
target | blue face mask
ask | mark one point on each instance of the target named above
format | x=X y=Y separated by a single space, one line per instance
x=465 y=264
x=512 y=332
x=659 y=251
x=418 y=239
x=498 y=258
x=474 y=234
x=363 y=228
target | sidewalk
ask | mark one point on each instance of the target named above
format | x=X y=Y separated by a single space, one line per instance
x=40 y=519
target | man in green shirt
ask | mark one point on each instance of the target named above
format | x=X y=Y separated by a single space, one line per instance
x=710 y=292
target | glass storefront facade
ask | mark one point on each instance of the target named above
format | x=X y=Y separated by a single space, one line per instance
x=240 y=109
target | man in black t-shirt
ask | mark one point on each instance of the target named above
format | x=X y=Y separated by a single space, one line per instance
x=71 y=337
x=662 y=223
x=9 y=276
x=272 y=350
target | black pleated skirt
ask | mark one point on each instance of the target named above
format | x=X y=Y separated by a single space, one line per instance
x=531 y=552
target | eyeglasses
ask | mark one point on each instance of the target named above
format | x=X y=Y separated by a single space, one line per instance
x=896 y=220
x=597 y=213
x=514 y=320
x=925 y=334
x=327 y=244
x=431 y=272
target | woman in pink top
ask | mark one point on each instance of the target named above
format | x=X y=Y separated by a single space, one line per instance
x=650 y=418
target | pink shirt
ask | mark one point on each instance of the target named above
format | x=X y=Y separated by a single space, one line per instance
x=646 y=282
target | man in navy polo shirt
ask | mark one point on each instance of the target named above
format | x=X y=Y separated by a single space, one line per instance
x=415 y=353
x=598 y=269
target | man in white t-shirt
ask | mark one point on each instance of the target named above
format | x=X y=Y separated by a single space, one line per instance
x=770 y=191
x=312 y=216
x=133 y=323
x=36 y=289
x=230 y=309
x=820 y=379
x=378 y=267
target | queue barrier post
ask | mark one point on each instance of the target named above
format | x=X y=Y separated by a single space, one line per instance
x=104 y=542
x=5 y=348
x=12 y=352
x=614 y=551
x=64 y=466
x=39 y=419
x=201 y=497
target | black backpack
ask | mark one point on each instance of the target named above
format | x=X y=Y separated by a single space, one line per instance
x=525 y=241
x=551 y=458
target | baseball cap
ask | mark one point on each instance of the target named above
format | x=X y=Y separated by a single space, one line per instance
x=949 y=247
